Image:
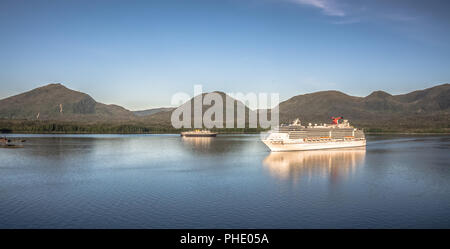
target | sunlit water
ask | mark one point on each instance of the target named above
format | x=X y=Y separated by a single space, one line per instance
x=231 y=181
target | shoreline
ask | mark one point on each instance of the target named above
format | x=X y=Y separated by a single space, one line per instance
x=178 y=133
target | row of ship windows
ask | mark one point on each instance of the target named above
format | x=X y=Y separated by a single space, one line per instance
x=321 y=139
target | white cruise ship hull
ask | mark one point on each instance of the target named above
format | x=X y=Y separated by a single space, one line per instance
x=297 y=146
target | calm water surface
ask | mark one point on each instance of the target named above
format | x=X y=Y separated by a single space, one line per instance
x=232 y=181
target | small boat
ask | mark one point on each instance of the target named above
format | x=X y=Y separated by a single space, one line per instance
x=198 y=133
x=8 y=143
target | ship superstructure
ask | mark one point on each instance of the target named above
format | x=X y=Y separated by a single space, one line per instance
x=314 y=137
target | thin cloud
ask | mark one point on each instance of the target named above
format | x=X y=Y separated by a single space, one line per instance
x=328 y=7
x=359 y=11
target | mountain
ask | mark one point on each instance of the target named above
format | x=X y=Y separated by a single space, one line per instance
x=149 y=112
x=165 y=117
x=424 y=108
x=59 y=109
x=57 y=102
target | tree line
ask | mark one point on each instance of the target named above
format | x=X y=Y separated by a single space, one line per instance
x=26 y=126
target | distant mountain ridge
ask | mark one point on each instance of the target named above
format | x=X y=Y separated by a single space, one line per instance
x=165 y=117
x=421 y=109
x=57 y=102
x=404 y=109
x=149 y=112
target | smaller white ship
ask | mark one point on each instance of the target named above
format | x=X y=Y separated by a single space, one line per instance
x=294 y=137
x=198 y=133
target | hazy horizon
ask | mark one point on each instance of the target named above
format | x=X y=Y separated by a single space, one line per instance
x=138 y=54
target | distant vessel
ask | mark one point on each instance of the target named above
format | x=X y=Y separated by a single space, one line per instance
x=198 y=133
x=8 y=143
x=294 y=136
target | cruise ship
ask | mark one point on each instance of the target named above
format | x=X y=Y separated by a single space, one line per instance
x=295 y=137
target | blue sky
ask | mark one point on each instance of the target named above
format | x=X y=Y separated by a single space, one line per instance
x=138 y=53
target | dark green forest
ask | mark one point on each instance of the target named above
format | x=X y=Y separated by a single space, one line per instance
x=26 y=126
x=58 y=127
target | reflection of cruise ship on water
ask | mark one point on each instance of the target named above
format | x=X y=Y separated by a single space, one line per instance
x=335 y=163
x=314 y=137
x=198 y=133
